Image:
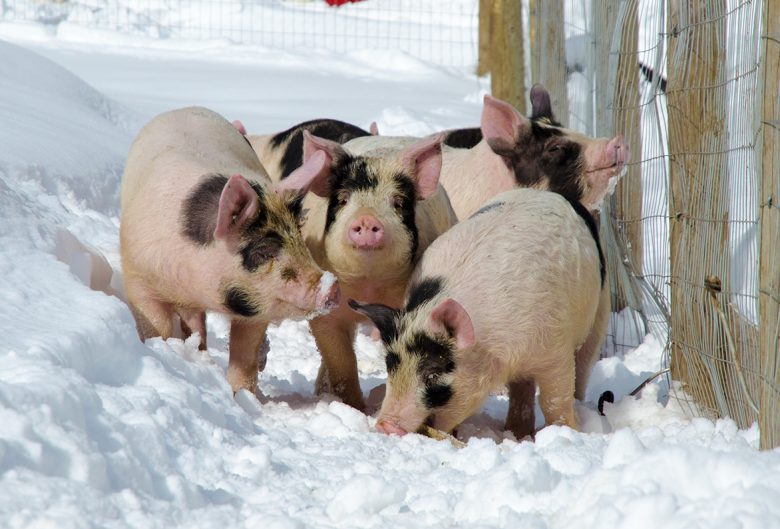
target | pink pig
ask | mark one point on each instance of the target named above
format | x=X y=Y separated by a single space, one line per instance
x=203 y=229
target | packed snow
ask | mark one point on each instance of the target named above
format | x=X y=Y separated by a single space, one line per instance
x=98 y=430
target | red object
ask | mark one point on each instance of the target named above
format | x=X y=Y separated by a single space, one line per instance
x=337 y=3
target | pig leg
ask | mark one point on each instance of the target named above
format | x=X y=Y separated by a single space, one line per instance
x=246 y=340
x=152 y=316
x=520 y=418
x=556 y=391
x=193 y=321
x=589 y=352
x=338 y=373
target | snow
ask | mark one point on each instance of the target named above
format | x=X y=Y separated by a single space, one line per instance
x=102 y=431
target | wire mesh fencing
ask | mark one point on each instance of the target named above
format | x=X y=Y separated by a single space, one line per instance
x=439 y=31
x=695 y=220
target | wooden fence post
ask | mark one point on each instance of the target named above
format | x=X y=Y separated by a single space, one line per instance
x=548 y=57
x=769 y=225
x=698 y=194
x=506 y=59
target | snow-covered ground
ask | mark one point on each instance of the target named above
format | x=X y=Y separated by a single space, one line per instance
x=100 y=431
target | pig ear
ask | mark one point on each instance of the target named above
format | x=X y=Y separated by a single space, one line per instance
x=502 y=125
x=382 y=316
x=374 y=129
x=239 y=126
x=452 y=318
x=540 y=103
x=423 y=160
x=238 y=204
x=313 y=175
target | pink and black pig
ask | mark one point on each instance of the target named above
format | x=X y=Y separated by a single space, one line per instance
x=368 y=221
x=204 y=229
x=506 y=297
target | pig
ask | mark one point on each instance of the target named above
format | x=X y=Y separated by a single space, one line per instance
x=368 y=222
x=510 y=150
x=281 y=153
x=202 y=228
x=508 y=296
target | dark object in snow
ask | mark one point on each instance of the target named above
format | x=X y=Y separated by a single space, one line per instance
x=607 y=396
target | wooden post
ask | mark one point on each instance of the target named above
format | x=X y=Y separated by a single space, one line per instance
x=769 y=221
x=627 y=204
x=549 y=54
x=698 y=194
x=485 y=36
x=507 y=70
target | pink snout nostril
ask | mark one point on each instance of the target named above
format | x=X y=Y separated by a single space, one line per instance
x=366 y=232
x=389 y=427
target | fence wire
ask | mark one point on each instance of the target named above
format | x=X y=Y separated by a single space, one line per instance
x=694 y=227
x=443 y=32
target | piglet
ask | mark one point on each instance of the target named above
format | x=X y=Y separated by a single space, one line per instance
x=508 y=296
x=203 y=229
x=369 y=219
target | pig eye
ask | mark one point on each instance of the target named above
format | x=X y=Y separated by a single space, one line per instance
x=554 y=148
x=342 y=197
x=431 y=377
x=262 y=250
x=398 y=202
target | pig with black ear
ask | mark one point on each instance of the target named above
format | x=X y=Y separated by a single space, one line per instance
x=282 y=152
x=506 y=297
x=510 y=150
x=368 y=221
x=204 y=229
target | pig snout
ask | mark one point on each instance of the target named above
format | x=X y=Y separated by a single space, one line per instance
x=366 y=233
x=389 y=427
x=329 y=293
x=617 y=150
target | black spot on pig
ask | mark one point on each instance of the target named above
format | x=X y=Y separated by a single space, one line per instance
x=462 y=138
x=260 y=249
x=198 y=215
x=436 y=357
x=407 y=195
x=239 y=302
x=392 y=360
x=485 y=209
x=384 y=317
x=424 y=291
x=351 y=174
x=548 y=157
x=586 y=215
x=289 y=274
x=437 y=395
x=292 y=139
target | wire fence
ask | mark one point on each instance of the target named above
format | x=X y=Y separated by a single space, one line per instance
x=692 y=234
x=439 y=31
x=694 y=223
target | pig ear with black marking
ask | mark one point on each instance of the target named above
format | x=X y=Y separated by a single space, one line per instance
x=502 y=125
x=451 y=318
x=540 y=103
x=314 y=174
x=423 y=161
x=382 y=316
x=238 y=204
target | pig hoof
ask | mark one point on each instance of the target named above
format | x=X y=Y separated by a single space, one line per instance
x=607 y=396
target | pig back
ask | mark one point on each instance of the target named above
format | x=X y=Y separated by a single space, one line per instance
x=525 y=267
x=174 y=150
